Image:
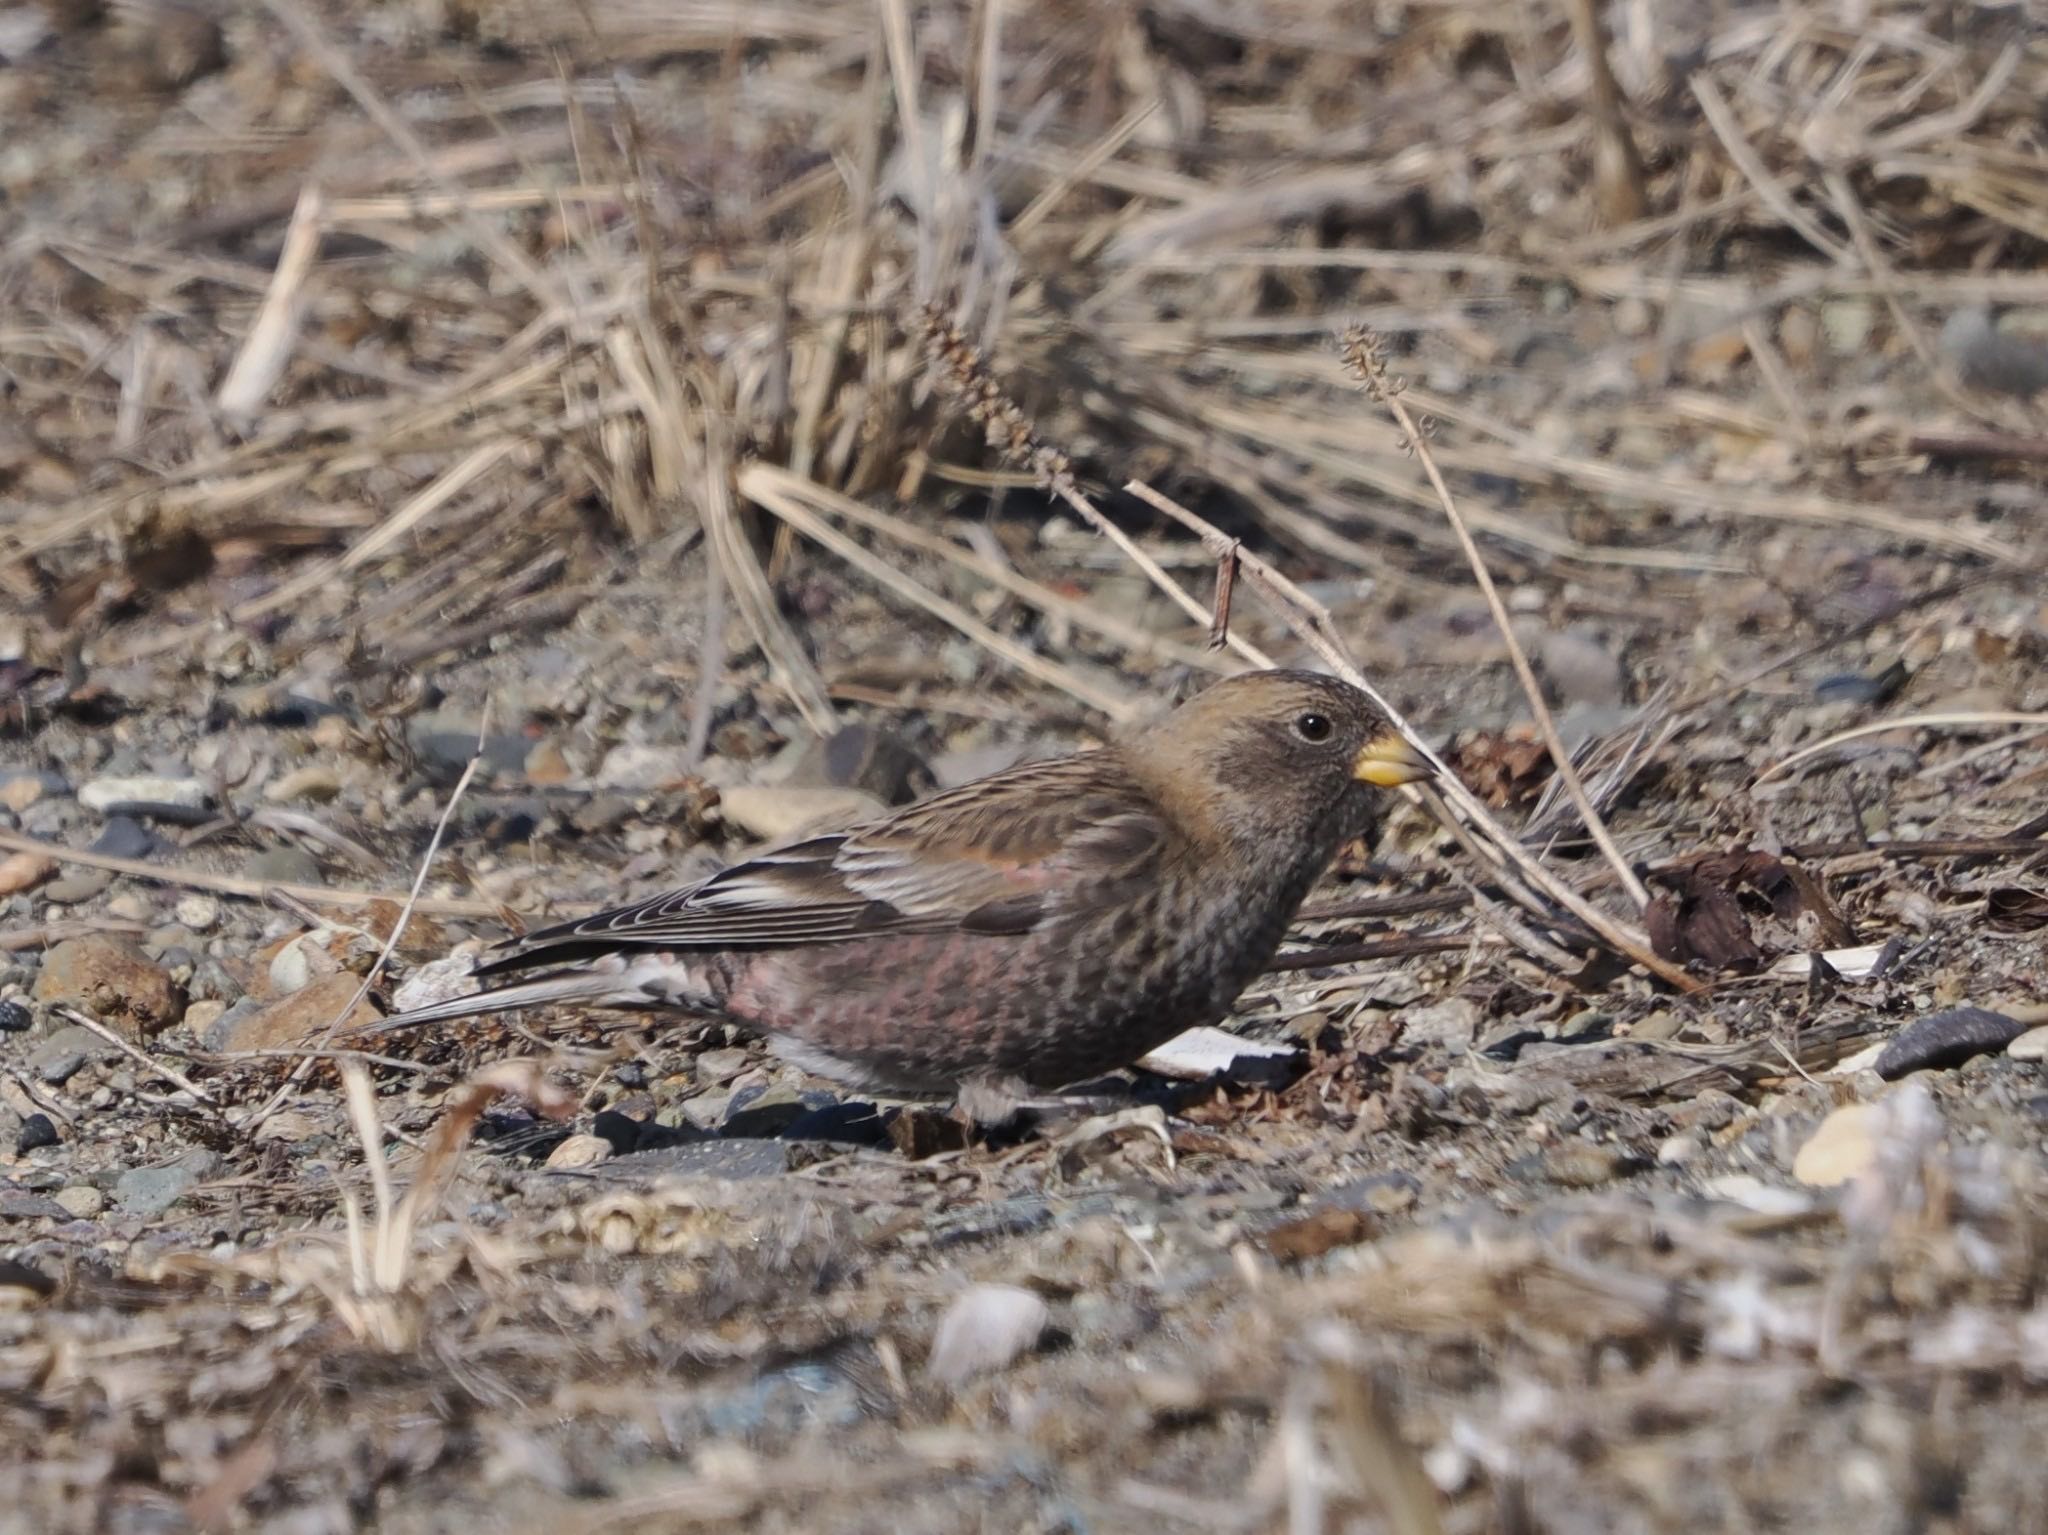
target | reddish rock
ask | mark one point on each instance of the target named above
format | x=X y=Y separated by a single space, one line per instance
x=113 y=981
x=296 y=1019
x=24 y=871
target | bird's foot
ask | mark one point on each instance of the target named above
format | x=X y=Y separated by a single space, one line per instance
x=1005 y=1109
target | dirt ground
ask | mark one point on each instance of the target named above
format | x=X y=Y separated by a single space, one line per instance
x=463 y=463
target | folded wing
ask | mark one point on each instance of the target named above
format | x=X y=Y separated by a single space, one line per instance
x=1000 y=856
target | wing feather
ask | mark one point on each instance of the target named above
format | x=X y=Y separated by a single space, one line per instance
x=1000 y=855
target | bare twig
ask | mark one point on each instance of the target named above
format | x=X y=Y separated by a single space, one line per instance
x=1226 y=585
x=254 y=1121
x=1619 y=162
x=200 y=1094
x=236 y=884
x=1366 y=363
x=1011 y=432
x=1964 y=719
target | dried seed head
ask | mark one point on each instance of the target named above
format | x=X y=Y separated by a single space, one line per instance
x=1010 y=431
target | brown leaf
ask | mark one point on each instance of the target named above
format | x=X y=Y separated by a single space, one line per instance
x=1701 y=924
x=1793 y=892
x=1503 y=768
x=1706 y=917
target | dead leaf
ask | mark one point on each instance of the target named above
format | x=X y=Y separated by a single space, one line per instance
x=1507 y=769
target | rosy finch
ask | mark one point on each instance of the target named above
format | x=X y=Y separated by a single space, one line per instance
x=1034 y=928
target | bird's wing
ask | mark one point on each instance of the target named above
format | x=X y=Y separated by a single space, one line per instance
x=1000 y=855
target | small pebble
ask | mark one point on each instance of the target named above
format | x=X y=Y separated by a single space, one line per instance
x=580 y=1151
x=82 y=1200
x=986 y=1327
x=545 y=765
x=37 y=1131
x=74 y=889
x=125 y=837
x=203 y=1015
x=1840 y=1149
x=24 y=871
x=288 y=1126
x=57 y=1059
x=636 y=765
x=2030 y=1046
x=720 y=1066
x=187 y=793
x=772 y=812
x=197 y=912
x=17 y=794
x=14 y=1018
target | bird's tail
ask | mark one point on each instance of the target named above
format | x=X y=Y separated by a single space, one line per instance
x=569 y=986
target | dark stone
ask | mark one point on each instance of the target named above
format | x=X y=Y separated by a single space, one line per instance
x=620 y=1131
x=768 y=1111
x=16 y=1275
x=847 y=1124
x=16 y=1205
x=1946 y=1039
x=36 y=1132
x=1851 y=687
x=14 y=1018
x=1508 y=1041
x=656 y=1136
x=864 y=757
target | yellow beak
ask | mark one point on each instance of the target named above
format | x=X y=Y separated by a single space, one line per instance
x=1389 y=761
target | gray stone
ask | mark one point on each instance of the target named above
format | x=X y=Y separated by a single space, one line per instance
x=448 y=741
x=720 y=1066
x=640 y=765
x=147 y=1192
x=125 y=837
x=1579 y=668
x=868 y=758
x=1451 y=1022
x=58 y=1058
x=77 y=888
x=285 y=866
x=736 y=1159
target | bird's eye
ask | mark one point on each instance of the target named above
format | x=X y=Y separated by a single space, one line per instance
x=1313 y=727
